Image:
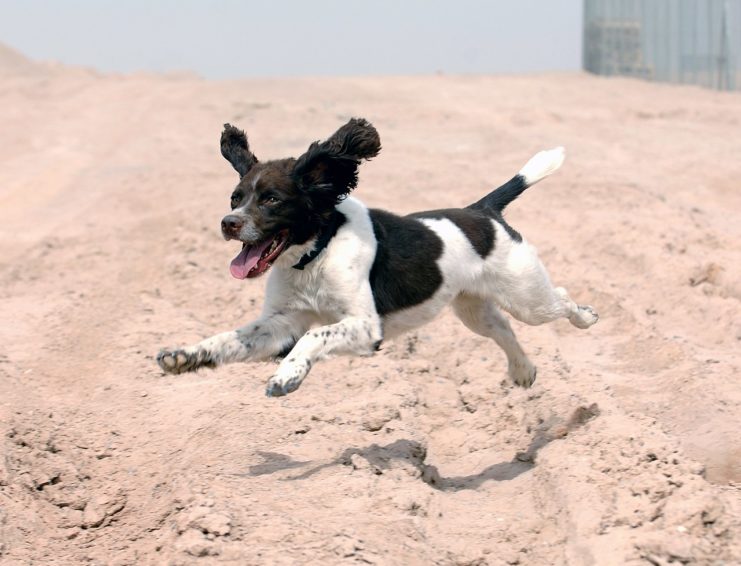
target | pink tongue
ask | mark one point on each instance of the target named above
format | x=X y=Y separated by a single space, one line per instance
x=247 y=259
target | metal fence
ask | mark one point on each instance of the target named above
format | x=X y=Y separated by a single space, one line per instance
x=681 y=41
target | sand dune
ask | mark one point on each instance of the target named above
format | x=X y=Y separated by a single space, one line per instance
x=626 y=451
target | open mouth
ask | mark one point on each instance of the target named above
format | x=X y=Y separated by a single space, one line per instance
x=256 y=259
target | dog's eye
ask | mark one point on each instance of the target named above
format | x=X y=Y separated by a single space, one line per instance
x=270 y=201
x=235 y=200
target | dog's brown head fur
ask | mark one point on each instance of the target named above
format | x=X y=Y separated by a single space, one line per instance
x=287 y=201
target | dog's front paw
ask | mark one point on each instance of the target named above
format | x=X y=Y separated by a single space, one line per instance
x=278 y=387
x=288 y=378
x=181 y=360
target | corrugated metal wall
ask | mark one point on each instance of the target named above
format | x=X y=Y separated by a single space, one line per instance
x=681 y=41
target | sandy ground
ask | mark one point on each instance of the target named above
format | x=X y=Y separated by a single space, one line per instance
x=626 y=451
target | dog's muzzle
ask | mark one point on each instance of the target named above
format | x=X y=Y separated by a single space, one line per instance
x=231 y=226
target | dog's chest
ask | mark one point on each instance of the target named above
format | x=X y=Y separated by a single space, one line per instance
x=311 y=290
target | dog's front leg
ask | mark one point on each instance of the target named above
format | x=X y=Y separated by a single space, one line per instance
x=268 y=337
x=353 y=335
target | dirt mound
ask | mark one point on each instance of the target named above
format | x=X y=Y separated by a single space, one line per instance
x=11 y=61
x=626 y=450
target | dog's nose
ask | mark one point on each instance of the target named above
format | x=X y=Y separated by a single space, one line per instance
x=231 y=225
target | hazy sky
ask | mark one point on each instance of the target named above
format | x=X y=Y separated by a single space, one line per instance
x=231 y=38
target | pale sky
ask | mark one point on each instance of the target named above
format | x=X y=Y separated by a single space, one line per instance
x=232 y=38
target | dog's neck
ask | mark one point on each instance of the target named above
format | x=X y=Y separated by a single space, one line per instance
x=322 y=239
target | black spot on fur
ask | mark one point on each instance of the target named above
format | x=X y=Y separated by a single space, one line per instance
x=474 y=224
x=405 y=271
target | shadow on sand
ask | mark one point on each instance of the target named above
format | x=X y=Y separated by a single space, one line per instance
x=411 y=454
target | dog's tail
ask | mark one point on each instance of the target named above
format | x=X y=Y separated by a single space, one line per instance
x=539 y=167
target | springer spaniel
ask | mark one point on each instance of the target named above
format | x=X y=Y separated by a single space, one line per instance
x=344 y=277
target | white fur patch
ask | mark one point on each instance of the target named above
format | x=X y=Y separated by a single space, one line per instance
x=543 y=164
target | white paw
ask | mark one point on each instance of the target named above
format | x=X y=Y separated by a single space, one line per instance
x=279 y=387
x=585 y=317
x=288 y=379
x=523 y=374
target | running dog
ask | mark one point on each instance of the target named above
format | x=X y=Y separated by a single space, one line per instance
x=344 y=277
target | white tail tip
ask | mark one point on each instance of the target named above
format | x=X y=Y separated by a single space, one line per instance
x=543 y=164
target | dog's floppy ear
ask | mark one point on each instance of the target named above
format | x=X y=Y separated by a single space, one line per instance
x=329 y=169
x=236 y=150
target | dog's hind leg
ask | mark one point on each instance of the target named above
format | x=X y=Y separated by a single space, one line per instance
x=482 y=317
x=268 y=337
x=581 y=316
x=524 y=289
x=550 y=304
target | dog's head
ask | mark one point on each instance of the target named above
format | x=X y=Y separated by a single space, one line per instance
x=286 y=202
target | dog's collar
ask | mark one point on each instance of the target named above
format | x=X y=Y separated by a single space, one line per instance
x=325 y=235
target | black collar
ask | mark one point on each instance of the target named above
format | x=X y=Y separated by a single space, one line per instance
x=322 y=241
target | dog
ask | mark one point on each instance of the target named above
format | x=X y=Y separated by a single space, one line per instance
x=343 y=277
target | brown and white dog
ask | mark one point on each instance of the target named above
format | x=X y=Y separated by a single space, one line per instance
x=344 y=277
